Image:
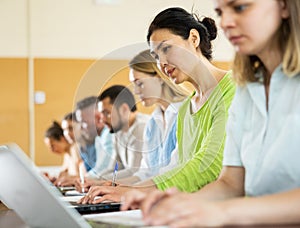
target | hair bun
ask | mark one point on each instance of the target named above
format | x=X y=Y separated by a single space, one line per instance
x=211 y=27
x=55 y=124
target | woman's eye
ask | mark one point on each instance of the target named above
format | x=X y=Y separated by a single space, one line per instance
x=165 y=49
x=138 y=84
x=240 y=8
x=218 y=12
x=155 y=56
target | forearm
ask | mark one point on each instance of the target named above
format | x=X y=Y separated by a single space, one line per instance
x=129 y=180
x=145 y=186
x=188 y=177
x=121 y=174
x=282 y=208
x=218 y=190
x=230 y=184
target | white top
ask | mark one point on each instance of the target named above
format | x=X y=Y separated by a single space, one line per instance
x=71 y=160
x=129 y=147
x=266 y=143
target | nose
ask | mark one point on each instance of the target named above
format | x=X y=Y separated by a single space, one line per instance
x=227 y=21
x=136 y=89
x=162 y=65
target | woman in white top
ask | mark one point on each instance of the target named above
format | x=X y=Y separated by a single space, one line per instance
x=261 y=157
x=57 y=143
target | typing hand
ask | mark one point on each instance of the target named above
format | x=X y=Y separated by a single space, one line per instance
x=85 y=186
x=52 y=179
x=184 y=210
x=64 y=181
x=108 y=193
x=132 y=200
x=88 y=183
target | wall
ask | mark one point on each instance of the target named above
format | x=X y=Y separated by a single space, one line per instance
x=14 y=111
x=82 y=29
x=70 y=49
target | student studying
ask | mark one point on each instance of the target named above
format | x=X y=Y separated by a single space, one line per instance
x=260 y=180
x=159 y=144
x=57 y=143
x=182 y=46
x=236 y=136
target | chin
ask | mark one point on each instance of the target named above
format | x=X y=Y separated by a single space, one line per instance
x=177 y=81
x=147 y=103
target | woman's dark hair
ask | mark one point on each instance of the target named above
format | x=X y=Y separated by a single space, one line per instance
x=54 y=131
x=180 y=22
x=70 y=116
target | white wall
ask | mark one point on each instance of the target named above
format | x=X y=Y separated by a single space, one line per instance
x=13 y=28
x=83 y=29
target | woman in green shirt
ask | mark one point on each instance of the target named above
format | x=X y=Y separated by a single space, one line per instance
x=181 y=44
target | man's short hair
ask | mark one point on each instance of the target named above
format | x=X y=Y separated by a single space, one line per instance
x=119 y=95
x=86 y=102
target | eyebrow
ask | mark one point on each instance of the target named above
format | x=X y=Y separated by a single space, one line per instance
x=229 y=3
x=158 y=47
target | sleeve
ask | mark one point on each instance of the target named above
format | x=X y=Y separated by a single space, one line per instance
x=206 y=163
x=234 y=132
x=134 y=157
x=169 y=145
x=133 y=152
x=106 y=156
x=145 y=172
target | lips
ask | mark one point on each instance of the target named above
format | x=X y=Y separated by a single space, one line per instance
x=169 y=71
x=235 y=39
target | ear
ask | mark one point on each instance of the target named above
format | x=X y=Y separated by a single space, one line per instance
x=194 y=38
x=124 y=109
x=285 y=13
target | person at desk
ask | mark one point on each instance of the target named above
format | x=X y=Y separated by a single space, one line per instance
x=118 y=107
x=154 y=88
x=57 y=143
x=85 y=138
x=93 y=127
x=119 y=112
x=85 y=115
x=261 y=157
x=71 y=128
x=181 y=44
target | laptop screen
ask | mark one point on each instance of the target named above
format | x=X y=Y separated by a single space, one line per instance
x=30 y=195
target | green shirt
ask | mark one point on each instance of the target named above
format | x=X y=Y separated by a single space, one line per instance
x=201 y=138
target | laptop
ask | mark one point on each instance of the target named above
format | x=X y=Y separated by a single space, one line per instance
x=32 y=196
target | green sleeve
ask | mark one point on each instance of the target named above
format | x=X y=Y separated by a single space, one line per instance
x=206 y=164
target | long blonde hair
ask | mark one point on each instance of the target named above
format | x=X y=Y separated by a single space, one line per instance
x=145 y=63
x=288 y=36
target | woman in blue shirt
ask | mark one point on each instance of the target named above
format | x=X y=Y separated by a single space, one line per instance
x=154 y=88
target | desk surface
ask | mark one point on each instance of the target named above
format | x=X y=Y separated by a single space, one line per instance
x=3 y=207
x=8 y=218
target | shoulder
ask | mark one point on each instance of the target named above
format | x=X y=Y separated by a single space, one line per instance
x=185 y=105
x=140 y=122
x=142 y=118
